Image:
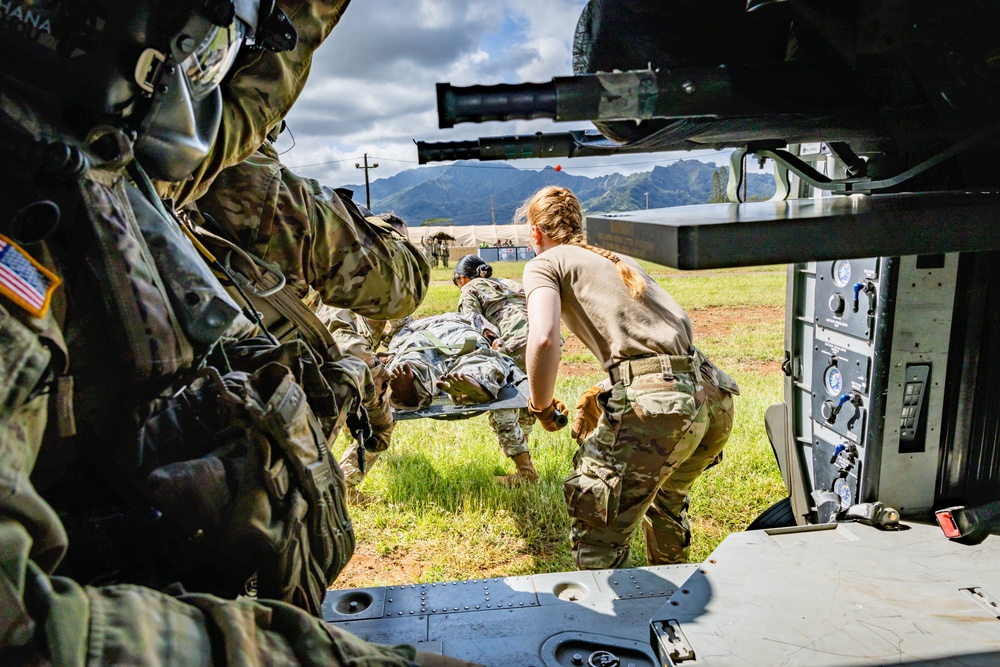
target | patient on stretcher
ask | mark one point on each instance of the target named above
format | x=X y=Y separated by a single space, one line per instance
x=458 y=355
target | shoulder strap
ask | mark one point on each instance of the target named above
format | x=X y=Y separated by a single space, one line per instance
x=267 y=287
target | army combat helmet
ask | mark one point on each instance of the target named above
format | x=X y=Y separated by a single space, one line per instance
x=151 y=66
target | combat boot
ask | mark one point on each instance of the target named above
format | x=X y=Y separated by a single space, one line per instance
x=525 y=471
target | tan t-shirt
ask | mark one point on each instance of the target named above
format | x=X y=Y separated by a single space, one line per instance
x=597 y=307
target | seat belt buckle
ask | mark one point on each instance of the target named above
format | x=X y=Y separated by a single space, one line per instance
x=947 y=522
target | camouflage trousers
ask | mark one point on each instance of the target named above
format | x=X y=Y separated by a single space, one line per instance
x=656 y=436
x=382 y=429
x=380 y=417
x=487 y=367
x=513 y=427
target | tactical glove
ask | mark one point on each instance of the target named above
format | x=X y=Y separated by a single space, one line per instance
x=552 y=417
x=588 y=413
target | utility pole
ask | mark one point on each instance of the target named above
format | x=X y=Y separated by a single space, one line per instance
x=647 y=197
x=367 y=168
x=492 y=214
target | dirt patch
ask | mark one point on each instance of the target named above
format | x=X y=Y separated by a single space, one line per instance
x=366 y=566
x=707 y=323
x=573 y=349
x=718 y=322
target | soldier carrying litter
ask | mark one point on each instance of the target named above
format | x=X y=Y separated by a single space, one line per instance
x=107 y=314
x=659 y=420
x=352 y=270
x=503 y=304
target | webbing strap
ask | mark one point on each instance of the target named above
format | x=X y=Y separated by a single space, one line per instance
x=468 y=345
x=663 y=364
x=284 y=300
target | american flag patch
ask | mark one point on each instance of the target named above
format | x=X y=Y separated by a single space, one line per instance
x=23 y=280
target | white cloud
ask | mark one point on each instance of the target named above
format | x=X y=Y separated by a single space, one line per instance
x=372 y=86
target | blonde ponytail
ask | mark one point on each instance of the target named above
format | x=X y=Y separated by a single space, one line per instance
x=556 y=211
x=633 y=280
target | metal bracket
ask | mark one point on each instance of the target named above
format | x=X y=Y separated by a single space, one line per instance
x=736 y=175
x=671 y=646
x=268 y=268
x=859 y=184
x=148 y=68
x=782 y=184
x=988 y=602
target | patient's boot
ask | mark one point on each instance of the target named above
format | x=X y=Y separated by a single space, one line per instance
x=525 y=471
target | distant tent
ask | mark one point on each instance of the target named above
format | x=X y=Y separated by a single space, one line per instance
x=472 y=236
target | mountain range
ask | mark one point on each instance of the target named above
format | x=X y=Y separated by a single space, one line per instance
x=462 y=193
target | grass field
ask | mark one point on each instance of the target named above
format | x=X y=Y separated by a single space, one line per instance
x=438 y=515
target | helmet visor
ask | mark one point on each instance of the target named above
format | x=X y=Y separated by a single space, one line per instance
x=208 y=65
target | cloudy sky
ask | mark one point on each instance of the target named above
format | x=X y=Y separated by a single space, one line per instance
x=372 y=87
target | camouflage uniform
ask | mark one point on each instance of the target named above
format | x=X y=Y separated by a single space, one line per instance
x=655 y=437
x=317 y=238
x=261 y=88
x=340 y=263
x=491 y=369
x=380 y=333
x=502 y=303
x=351 y=334
x=430 y=249
x=363 y=338
x=77 y=372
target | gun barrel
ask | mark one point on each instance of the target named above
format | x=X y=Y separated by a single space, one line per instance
x=445 y=151
x=697 y=92
x=510 y=147
x=604 y=96
x=477 y=104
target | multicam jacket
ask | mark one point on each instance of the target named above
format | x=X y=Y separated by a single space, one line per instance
x=261 y=88
x=318 y=238
x=58 y=361
x=503 y=304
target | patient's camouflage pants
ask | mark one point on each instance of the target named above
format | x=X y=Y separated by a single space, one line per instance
x=491 y=369
x=656 y=436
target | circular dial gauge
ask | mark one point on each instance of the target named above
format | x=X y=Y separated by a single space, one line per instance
x=842 y=272
x=841 y=488
x=834 y=381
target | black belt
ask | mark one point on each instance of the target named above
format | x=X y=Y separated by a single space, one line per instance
x=665 y=364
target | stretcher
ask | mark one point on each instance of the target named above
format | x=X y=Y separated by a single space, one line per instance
x=511 y=397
